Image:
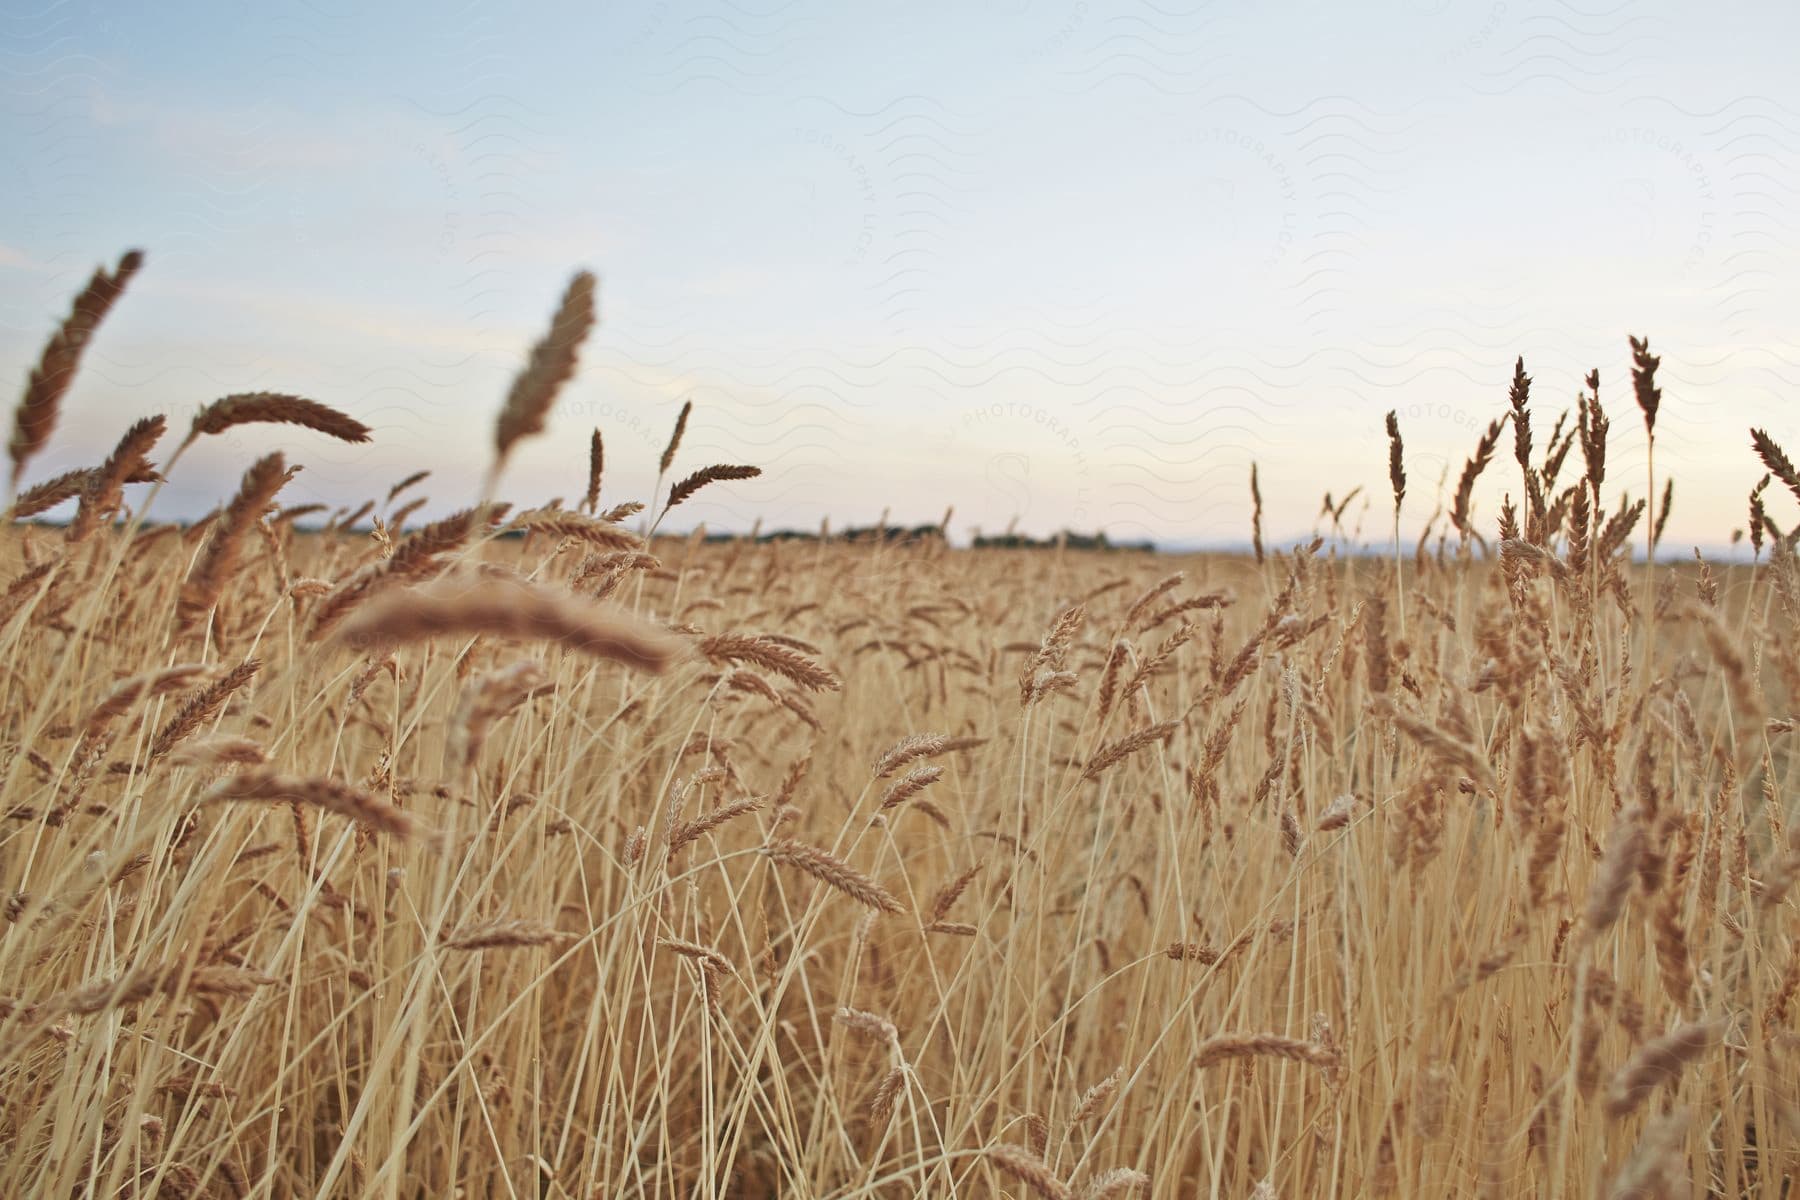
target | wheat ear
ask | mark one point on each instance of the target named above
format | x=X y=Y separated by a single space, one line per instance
x=552 y=363
x=511 y=608
x=35 y=418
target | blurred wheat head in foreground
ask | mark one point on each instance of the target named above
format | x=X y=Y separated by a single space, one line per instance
x=529 y=851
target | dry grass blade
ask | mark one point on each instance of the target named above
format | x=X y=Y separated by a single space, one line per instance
x=276 y=408
x=35 y=418
x=706 y=475
x=834 y=872
x=552 y=363
x=511 y=608
x=268 y=787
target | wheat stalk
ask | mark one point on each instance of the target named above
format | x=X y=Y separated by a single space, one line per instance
x=507 y=933
x=1115 y=752
x=269 y=787
x=1227 y=1046
x=278 y=408
x=1031 y=1170
x=510 y=608
x=596 y=463
x=1658 y=1063
x=834 y=872
x=417 y=558
x=699 y=479
x=104 y=487
x=910 y=785
x=590 y=530
x=35 y=418
x=219 y=560
x=551 y=365
x=765 y=652
x=195 y=711
x=668 y=454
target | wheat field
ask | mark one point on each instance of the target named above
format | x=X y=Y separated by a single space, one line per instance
x=538 y=852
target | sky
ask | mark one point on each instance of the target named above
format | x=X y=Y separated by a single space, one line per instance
x=1059 y=265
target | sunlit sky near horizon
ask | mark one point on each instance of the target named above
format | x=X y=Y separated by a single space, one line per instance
x=1074 y=264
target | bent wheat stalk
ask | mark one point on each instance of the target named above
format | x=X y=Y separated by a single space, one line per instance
x=35 y=418
x=503 y=607
x=279 y=408
x=699 y=479
x=765 y=652
x=271 y=788
x=834 y=872
x=1228 y=1046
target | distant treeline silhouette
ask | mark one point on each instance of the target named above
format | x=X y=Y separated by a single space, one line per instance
x=895 y=534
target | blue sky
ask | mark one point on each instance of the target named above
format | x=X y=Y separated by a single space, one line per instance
x=1077 y=264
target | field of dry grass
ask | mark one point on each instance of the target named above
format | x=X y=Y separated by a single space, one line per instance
x=522 y=854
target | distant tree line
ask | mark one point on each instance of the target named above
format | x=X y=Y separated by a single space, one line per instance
x=900 y=534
